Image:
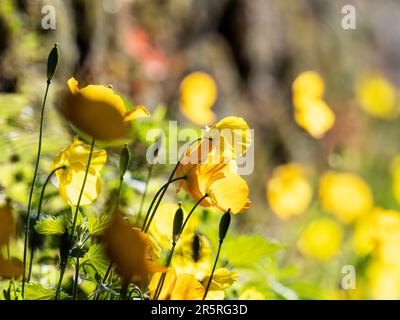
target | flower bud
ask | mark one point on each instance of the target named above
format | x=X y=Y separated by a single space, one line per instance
x=124 y=161
x=52 y=62
x=178 y=220
x=224 y=225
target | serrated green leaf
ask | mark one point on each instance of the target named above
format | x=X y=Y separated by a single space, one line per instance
x=96 y=257
x=34 y=291
x=246 y=250
x=51 y=225
x=96 y=225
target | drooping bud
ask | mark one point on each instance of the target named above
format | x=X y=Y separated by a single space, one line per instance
x=224 y=225
x=177 y=226
x=52 y=62
x=196 y=247
x=124 y=161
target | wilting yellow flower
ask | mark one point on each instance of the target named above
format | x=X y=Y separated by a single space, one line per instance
x=251 y=294
x=177 y=287
x=70 y=180
x=321 y=239
x=311 y=111
x=222 y=279
x=384 y=281
x=225 y=189
x=198 y=95
x=7 y=224
x=377 y=96
x=288 y=191
x=161 y=228
x=346 y=195
x=192 y=255
x=99 y=112
x=130 y=249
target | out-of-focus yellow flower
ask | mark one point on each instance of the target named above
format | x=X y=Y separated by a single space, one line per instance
x=251 y=294
x=75 y=158
x=176 y=287
x=10 y=268
x=346 y=195
x=384 y=281
x=289 y=193
x=222 y=279
x=131 y=250
x=377 y=96
x=161 y=228
x=198 y=93
x=311 y=111
x=395 y=171
x=321 y=239
x=192 y=255
x=99 y=112
x=7 y=224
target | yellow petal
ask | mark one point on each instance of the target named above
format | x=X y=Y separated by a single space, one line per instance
x=136 y=113
x=222 y=279
x=308 y=84
x=7 y=224
x=11 y=268
x=168 y=286
x=187 y=288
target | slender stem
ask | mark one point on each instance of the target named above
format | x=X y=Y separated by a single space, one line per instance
x=38 y=215
x=8 y=251
x=27 y=225
x=121 y=180
x=145 y=227
x=75 y=287
x=144 y=193
x=64 y=265
x=104 y=280
x=213 y=269
x=162 y=278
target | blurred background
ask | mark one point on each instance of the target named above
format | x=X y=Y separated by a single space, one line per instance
x=254 y=50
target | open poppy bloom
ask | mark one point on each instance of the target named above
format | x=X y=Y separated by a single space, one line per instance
x=131 y=250
x=99 y=112
x=198 y=94
x=177 y=287
x=225 y=189
x=70 y=180
x=222 y=279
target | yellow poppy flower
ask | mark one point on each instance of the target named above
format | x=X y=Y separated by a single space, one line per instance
x=225 y=189
x=311 y=111
x=346 y=195
x=222 y=279
x=230 y=137
x=70 y=180
x=99 y=112
x=10 y=268
x=321 y=239
x=383 y=281
x=251 y=294
x=130 y=249
x=7 y=224
x=161 y=228
x=191 y=260
x=377 y=96
x=289 y=193
x=177 y=287
x=198 y=93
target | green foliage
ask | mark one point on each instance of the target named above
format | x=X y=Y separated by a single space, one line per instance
x=97 y=225
x=51 y=225
x=96 y=257
x=34 y=291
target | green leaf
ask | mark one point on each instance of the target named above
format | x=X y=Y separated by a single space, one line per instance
x=244 y=251
x=51 y=225
x=96 y=257
x=96 y=226
x=34 y=291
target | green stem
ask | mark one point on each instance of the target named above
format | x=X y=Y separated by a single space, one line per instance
x=145 y=227
x=64 y=265
x=213 y=269
x=38 y=215
x=75 y=287
x=144 y=193
x=162 y=278
x=27 y=225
